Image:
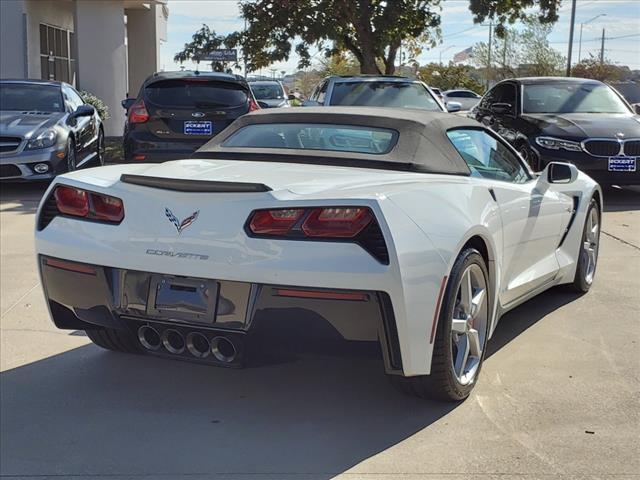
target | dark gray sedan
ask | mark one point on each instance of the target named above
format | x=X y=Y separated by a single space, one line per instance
x=46 y=129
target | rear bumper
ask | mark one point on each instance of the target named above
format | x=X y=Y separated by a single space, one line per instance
x=155 y=150
x=82 y=296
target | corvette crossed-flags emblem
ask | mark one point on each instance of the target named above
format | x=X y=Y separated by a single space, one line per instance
x=181 y=225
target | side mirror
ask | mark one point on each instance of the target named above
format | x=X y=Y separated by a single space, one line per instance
x=291 y=96
x=501 y=108
x=127 y=102
x=559 y=172
x=310 y=103
x=453 y=107
x=85 y=110
x=636 y=108
x=263 y=104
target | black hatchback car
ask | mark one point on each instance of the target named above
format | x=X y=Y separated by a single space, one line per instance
x=175 y=113
x=580 y=121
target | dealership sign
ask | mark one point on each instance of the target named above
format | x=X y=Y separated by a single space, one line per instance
x=220 y=55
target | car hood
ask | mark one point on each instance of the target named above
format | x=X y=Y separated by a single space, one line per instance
x=578 y=126
x=25 y=124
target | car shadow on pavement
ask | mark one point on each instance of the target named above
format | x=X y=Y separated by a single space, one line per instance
x=88 y=411
x=21 y=197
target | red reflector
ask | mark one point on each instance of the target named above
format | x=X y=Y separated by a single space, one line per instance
x=253 y=105
x=139 y=157
x=336 y=222
x=107 y=208
x=71 y=266
x=324 y=295
x=72 y=201
x=138 y=113
x=275 y=222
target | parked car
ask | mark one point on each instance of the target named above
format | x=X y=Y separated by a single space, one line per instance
x=438 y=93
x=270 y=93
x=175 y=113
x=575 y=120
x=466 y=98
x=376 y=91
x=46 y=129
x=414 y=229
x=631 y=93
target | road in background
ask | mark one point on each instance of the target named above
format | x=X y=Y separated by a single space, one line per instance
x=558 y=395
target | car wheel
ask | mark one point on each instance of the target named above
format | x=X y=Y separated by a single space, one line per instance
x=117 y=340
x=528 y=156
x=100 y=147
x=71 y=155
x=589 y=246
x=462 y=331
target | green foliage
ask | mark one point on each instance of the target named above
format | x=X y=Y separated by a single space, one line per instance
x=371 y=30
x=448 y=77
x=605 y=71
x=510 y=11
x=339 y=64
x=98 y=104
x=538 y=56
x=203 y=42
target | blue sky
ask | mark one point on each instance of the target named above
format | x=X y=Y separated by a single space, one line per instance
x=459 y=32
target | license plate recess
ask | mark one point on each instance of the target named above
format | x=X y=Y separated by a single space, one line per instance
x=189 y=300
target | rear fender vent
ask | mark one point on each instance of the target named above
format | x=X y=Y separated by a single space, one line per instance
x=372 y=240
x=48 y=212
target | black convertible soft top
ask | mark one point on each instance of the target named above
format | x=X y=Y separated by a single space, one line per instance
x=422 y=146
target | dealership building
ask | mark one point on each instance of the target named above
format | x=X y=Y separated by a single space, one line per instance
x=106 y=47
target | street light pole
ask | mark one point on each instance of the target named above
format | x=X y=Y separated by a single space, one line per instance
x=442 y=51
x=489 y=59
x=602 y=49
x=582 y=25
x=573 y=21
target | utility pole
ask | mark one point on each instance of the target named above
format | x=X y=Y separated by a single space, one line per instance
x=489 y=59
x=582 y=25
x=602 y=49
x=573 y=21
x=244 y=53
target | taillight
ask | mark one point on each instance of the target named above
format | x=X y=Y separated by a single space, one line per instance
x=253 y=105
x=95 y=206
x=326 y=222
x=274 y=222
x=336 y=222
x=72 y=201
x=138 y=112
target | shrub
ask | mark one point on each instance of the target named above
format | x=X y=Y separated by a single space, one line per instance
x=98 y=104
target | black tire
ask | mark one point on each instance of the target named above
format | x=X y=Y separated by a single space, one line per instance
x=117 y=340
x=71 y=155
x=442 y=383
x=100 y=148
x=582 y=281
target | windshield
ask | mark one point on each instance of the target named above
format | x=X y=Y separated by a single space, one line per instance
x=30 y=97
x=196 y=93
x=383 y=94
x=267 y=92
x=571 y=98
x=307 y=136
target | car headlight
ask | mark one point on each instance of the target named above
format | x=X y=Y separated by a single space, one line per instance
x=44 y=140
x=557 y=144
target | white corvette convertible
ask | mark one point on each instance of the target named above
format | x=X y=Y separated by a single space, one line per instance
x=414 y=229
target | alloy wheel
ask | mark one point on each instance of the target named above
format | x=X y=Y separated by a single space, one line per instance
x=589 y=256
x=469 y=324
x=71 y=157
x=101 y=148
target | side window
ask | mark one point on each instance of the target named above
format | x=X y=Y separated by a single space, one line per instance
x=71 y=98
x=322 y=91
x=487 y=157
x=505 y=93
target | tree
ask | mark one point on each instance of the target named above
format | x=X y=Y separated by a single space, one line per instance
x=203 y=42
x=371 y=30
x=505 y=55
x=448 y=77
x=510 y=11
x=538 y=56
x=606 y=71
x=339 y=64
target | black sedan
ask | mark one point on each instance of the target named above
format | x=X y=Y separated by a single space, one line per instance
x=584 y=122
x=45 y=129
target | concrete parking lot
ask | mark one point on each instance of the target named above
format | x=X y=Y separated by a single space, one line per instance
x=558 y=396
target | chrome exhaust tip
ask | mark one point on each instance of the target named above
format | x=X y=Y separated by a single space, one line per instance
x=198 y=345
x=173 y=341
x=149 y=337
x=223 y=349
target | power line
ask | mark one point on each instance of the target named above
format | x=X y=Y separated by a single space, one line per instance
x=461 y=31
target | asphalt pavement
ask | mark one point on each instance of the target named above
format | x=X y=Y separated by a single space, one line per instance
x=558 y=396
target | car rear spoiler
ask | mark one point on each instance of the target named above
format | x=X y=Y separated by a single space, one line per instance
x=185 y=185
